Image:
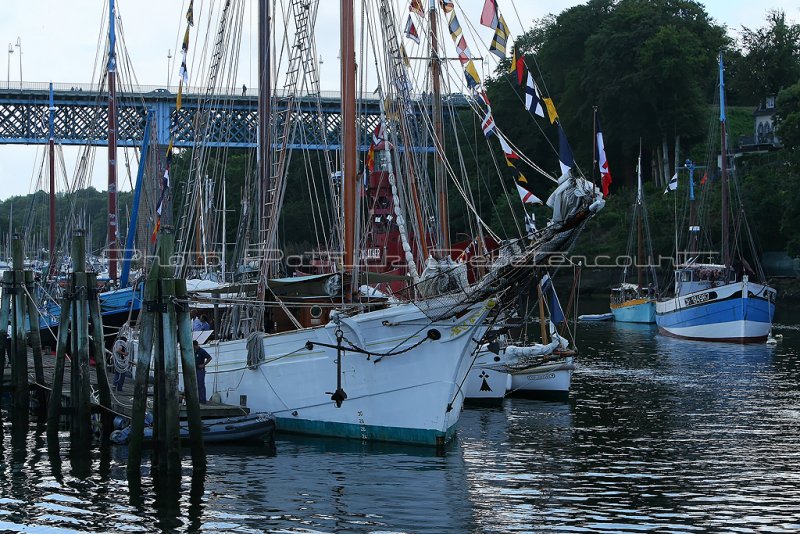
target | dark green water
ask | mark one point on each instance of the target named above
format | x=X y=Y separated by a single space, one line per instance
x=658 y=434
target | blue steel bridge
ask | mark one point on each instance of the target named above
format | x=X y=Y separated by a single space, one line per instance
x=81 y=116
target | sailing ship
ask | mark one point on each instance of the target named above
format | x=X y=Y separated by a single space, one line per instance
x=636 y=302
x=328 y=353
x=718 y=301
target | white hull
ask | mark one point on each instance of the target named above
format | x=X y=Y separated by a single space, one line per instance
x=488 y=379
x=411 y=397
x=547 y=378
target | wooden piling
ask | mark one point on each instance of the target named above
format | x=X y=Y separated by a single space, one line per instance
x=19 y=361
x=5 y=309
x=35 y=336
x=80 y=391
x=189 y=375
x=144 y=353
x=171 y=409
x=99 y=348
x=54 y=408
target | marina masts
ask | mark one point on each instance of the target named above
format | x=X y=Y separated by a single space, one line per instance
x=349 y=179
x=112 y=146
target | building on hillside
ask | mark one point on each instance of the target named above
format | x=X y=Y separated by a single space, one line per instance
x=764 y=136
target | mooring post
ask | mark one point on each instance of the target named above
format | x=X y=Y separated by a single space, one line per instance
x=189 y=375
x=99 y=349
x=5 y=307
x=79 y=393
x=166 y=246
x=144 y=353
x=54 y=408
x=36 y=337
x=171 y=408
x=19 y=362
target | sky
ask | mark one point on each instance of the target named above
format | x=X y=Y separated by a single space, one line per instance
x=59 y=39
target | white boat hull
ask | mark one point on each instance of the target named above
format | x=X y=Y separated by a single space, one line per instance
x=543 y=380
x=488 y=380
x=411 y=397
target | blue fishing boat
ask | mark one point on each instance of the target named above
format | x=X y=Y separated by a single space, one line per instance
x=726 y=301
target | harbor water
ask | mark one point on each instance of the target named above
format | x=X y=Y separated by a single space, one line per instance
x=658 y=434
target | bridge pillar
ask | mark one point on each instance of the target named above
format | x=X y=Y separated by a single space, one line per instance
x=163 y=112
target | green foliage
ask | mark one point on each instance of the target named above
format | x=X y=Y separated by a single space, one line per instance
x=772 y=56
x=788 y=117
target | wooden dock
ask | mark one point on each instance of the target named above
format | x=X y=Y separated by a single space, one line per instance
x=121 y=401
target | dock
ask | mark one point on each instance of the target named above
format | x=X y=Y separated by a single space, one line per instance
x=121 y=401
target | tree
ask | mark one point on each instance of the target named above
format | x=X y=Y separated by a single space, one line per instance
x=772 y=56
x=787 y=117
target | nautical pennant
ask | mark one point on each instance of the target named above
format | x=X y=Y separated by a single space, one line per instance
x=507 y=150
x=471 y=74
x=411 y=30
x=673 y=184
x=378 y=137
x=565 y=157
x=489 y=14
x=517 y=65
x=551 y=109
x=454 y=27
x=447 y=7
x=498 y=46
x=416 y=7
x=602 y=161
x=530 y=223
x=487 y=124
x=533 y=99
x=527 y=197
x=464 y=55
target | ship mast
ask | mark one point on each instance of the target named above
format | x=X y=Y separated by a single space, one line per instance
x=112 y=146
x=439 y=177
x=723 y=165
x=640 y=215
x=52 y=243
x=349 y=178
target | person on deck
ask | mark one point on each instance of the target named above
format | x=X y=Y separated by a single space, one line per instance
x=201 y=359
x=196 y=324
x=120 y=362
x=204 y=323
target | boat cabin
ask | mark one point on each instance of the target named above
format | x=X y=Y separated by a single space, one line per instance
x=699 y=277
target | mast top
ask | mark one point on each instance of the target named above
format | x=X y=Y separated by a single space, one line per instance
x=112 y=37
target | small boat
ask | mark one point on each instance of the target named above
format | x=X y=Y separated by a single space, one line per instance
x=636 y=303
x=596 y=317
x=254 y=426
x=550 y=379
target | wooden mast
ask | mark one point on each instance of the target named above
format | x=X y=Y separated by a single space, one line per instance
x=723 y=165
x=112 y=146
x=52 y=243
x=349 y=179
x=640 y=215
x=439 y=178
x=264 y=110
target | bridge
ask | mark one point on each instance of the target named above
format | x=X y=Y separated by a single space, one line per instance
x=230 y=120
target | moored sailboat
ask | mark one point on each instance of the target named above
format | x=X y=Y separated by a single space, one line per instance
x=636 y=303
x=725 y=301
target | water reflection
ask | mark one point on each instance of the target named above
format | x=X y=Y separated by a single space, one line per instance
x=657 y=434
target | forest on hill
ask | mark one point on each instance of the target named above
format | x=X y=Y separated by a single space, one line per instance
x=649 y=68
